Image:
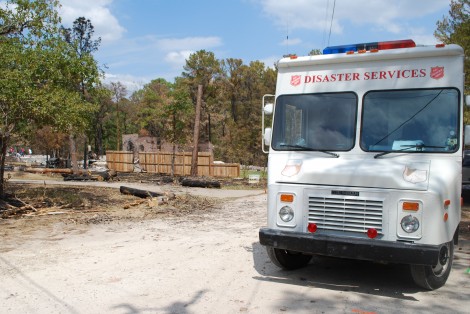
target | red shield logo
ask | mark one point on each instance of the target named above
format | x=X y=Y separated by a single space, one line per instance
x=437 y=72
x=295 y=80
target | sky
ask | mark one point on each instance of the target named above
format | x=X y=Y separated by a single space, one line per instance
x=142 y=40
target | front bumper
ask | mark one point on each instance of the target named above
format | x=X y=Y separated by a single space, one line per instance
x=353 y=248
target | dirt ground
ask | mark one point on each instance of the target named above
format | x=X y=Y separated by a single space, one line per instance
x=90 y=249
x=48 y=203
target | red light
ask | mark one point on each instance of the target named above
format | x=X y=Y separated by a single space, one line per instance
x=394 y=44
x=440 y=45
x=372 y=233
x=446 y=217
x=446 y=203
x=312 y=227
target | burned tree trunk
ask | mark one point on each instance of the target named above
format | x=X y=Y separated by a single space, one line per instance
x=200 y=183
x=139 y=193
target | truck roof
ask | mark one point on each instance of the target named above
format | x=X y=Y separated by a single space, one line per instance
x=402 y=53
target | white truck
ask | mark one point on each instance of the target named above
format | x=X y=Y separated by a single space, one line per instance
x=365 y=157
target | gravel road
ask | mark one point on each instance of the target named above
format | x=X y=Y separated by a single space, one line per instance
x=202 y=263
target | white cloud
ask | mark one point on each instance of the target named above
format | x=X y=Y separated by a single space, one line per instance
x=270 y=62
x=316 y=14
x=105 y=23
x=132 y=83
x=177 y=59
x=188 y=43
x=178 y=50
x=291 y=42
x=423 y=39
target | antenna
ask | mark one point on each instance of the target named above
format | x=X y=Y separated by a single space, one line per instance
x=331 y=23
x=287 y=35
x=326 y=23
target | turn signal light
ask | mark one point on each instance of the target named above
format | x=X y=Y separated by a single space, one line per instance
x=411 y=206
x=287 y=198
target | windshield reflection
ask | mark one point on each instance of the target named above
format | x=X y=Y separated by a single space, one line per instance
x=321 y=122
x=410 y=120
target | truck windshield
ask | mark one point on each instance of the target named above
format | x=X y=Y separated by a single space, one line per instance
x=309 y=122
x=424 y=120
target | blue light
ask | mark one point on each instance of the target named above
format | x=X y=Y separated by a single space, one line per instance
x=407 y=43
x=339 y=49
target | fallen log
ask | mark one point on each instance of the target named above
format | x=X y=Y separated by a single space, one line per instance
x=49 y=170
x=136 y=203
x=139 y=193
x=151 y=202
x=12 y=211
x=80 y=177
x=90 y=176
x=198 y=183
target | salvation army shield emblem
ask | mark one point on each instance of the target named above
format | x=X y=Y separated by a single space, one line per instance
x=295 y=80
x=437 y=72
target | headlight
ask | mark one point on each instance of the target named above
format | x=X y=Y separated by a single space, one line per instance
x=286 y=213
x=410 y=224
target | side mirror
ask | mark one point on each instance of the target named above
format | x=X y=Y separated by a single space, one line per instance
x=467 y=135
x=268 y=109
x=267 y=138
x=467 y=100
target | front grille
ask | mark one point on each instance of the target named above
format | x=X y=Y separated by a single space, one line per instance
x=345 y=214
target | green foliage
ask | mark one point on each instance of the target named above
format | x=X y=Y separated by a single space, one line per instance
x=38 y=71
x=455 y=29
x=244 y=87
x=101 y=96
x=177 y=114
x=29 y=20
x=164 y=110
x=230 y=117
x=152 y=99
x=315 y=52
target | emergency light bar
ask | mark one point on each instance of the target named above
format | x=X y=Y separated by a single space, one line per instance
x=383 y=45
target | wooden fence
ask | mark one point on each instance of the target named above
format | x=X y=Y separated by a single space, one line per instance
x=120 y=161
x=160 y=162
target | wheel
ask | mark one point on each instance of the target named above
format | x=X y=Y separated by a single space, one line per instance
x=288 y=259
x=434 y=277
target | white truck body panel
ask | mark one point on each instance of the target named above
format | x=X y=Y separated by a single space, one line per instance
x=358 y=175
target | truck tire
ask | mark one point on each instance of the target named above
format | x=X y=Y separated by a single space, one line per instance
x=288 y=260
x=434 y=277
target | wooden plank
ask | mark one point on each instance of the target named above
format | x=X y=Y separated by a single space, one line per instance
x=120 y=161
x=160 y=162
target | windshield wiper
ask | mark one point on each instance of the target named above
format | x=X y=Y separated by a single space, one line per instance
x=419 y=147
x=310 y=149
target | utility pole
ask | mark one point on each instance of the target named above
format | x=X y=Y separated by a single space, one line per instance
x=196 y=131
x=118 y=130
x=73 y=153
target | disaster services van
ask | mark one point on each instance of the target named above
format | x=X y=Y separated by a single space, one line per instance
x=365 y=157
